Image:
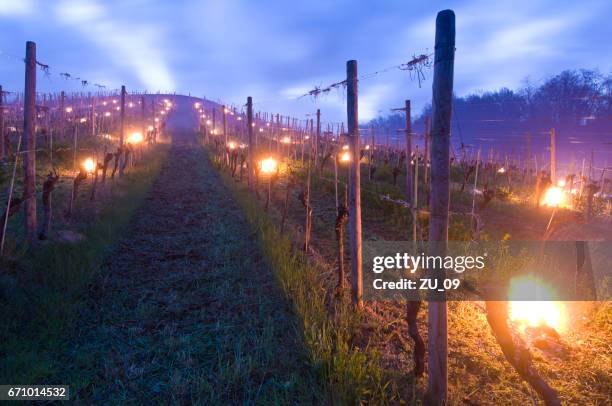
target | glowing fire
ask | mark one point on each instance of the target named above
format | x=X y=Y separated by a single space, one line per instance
x=150 y=128
x=286 y=140
x=561 y=183
x=534 y=313
x=134 y=138
x=89 y=165
x=554 y=197
x=345 y=147
x=367 y=147
x=268 y=165
x=345 y=157
x=231 y=145
x=501 y=170
x=68 y=109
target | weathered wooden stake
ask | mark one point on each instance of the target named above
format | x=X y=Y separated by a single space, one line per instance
x=440 y=196
x=2 y=138
x=553 y=156
x=354 y=184
x=317 y=138
x=122 y=130
x=251 y=158
x=10 y=197
x=408 y=152
x=29 y=134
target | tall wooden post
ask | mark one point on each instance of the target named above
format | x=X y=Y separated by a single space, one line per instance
x=553 y=156
x=122 y=130
x=317 y=137
x=442 y=99
x=29 y=134
x=354 y=184
x=370 y=152
x=408 y=152
x=251 y=158
x=2 y=138
x=62 y=114
x=143 y=117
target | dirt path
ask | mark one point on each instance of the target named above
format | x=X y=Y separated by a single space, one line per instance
x=186 y=310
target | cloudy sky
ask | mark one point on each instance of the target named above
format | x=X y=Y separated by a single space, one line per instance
x=276 y=50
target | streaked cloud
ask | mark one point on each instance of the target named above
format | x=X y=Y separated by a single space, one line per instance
x=136 y=46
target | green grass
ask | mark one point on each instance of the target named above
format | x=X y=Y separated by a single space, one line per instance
x=40 y=290
x=349 y=374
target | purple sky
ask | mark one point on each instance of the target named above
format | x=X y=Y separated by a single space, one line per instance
x=277 y=50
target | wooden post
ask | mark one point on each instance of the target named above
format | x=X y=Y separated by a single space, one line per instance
x=225 y=135
x=122 y=130
x=251 y=158
x=408 y=152
x=415 y=195
x=62 y=114
x=317 y=137
x=440 y=196
x=143 y=123
x=29 y=135
x=10 y=197
x=2 y=138
x=427 y=160
x=354 y=184
x=370 y=152
x=553 y=156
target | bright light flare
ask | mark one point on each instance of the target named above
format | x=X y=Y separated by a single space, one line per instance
x=501 y=170
x=553 y=197
x=107 y=114
x=534 y=313
x=268 y=165
x=286 y=140
x=345 y=147
x=367 y=147
x=83 y=120
x=231 y=145
x=196 y=105
x=150 y=128
x=89 y=165
x=345 y=157
x=561 y=183
x=134 y=138
x=68 y=109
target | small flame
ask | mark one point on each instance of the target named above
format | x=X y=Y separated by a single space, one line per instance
x=135 y=138
x=553 y=197
x=345 y=157
x=89 y=165
x=534 y=313
x=268 y=165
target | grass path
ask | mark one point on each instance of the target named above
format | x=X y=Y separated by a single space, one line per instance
x=186 y=310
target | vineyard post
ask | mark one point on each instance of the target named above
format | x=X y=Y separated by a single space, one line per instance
x=474 y=191
x=143 y=127
x=251 y=162
x=408 y=152
x=93 y=115
x=371 y=151
x=62 y=114
x=10 y=197
x=354 y=183
x=122 y=129
x=2 y=152
x=415 y=195
x=316 y=147
x=29 y=134
x=427 y=160
x=553 y=156
x=440 y=196
x=223 y=114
